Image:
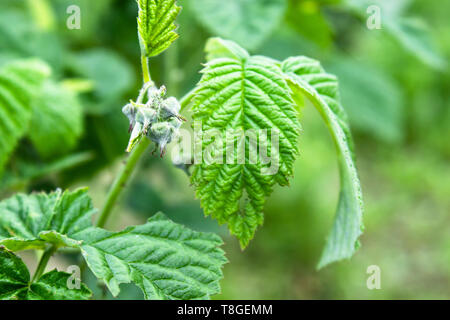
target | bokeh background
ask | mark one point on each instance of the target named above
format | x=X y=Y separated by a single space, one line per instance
x=395 y=86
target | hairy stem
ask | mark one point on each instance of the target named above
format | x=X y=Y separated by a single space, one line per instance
x=145 y=69
x=43 y=262
x=125 y=173
x=121 y=181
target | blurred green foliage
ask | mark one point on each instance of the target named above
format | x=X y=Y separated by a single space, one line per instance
x=395 y=85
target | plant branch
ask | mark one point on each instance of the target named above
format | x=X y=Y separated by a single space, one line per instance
x=126 y=171
x=121 y=181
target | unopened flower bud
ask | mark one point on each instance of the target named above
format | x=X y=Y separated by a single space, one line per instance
x=170 y=108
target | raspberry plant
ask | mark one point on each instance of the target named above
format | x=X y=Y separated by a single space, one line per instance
x=166 y=260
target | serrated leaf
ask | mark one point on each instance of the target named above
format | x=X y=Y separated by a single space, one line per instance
x=166 y=260
x=15 y=282
x=156 y=25
x=241 y=92
x=53 y=286
x=33 y=221
x=307 y=78
x=57 y=120
x=246 y=22
x=19 y=82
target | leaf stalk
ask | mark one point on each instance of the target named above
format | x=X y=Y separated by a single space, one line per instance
x=43 y=262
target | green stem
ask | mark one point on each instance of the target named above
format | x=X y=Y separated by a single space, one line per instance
x=121 y=181
x=145 y=69
x=43 y=262
x=126 y=171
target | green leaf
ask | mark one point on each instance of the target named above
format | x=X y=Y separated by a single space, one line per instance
x=33 y=221
x=14 y=275
x=415 y=36
x=93 y=16
x=372 y=99
x=26 y=170
x=26 y=40
x=156 y=25
x=53 y=286
x=42 y=14
x=15 y=282
x=412 y=33
x=166 y=260
x=243 y=93
x=111 y=74
x=57 y=120
x=19 y=82
x=246 y=22
x=307 y=78
x=306 y=18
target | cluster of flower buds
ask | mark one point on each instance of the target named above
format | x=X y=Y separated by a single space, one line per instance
x=158 y=118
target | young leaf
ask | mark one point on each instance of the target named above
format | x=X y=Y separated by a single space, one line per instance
x=166 y=260
x=15 y=282
x=19 y=82
x=156 y=25
x=241 y=92
x=252 y=21
x=31 y=222
x=307 y=78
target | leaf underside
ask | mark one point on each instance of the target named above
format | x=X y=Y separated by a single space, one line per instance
x=241 y=92
x=166 y=260
x=307 y=78
x=156 y=25
x=33 y=221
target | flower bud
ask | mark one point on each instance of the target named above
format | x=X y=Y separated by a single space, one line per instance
x=158 y=118
x=161 y=133
x=170 y=108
